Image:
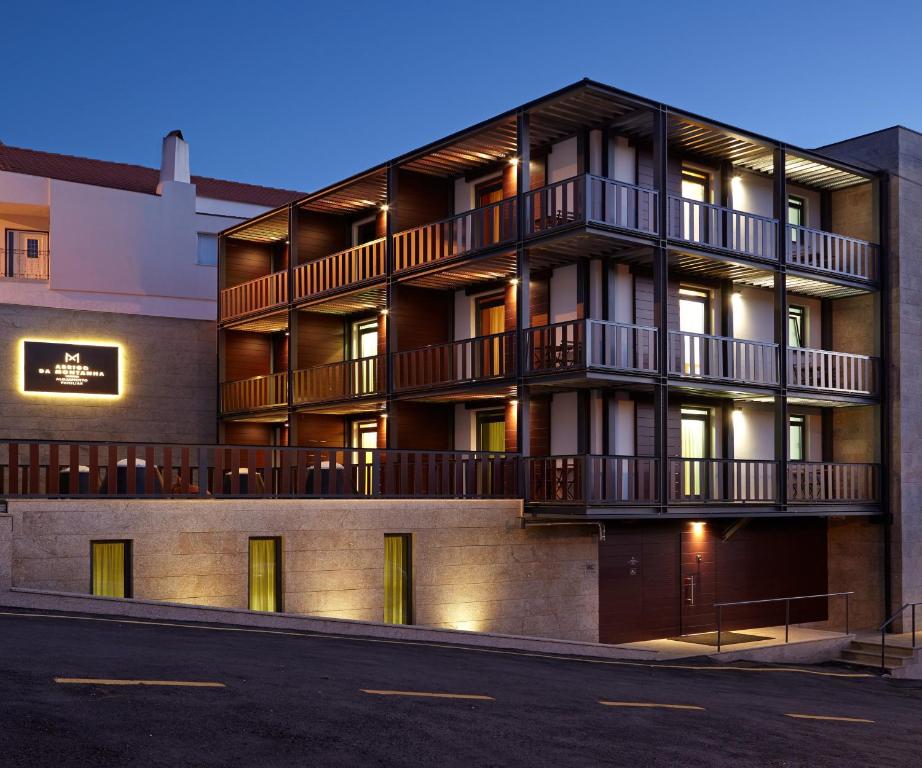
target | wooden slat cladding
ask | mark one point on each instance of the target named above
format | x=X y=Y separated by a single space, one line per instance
x=245 y=261
x=246 y=354
x=540 y=299
x=421 y=199
x=247 y=433
x=540 y=425
x=320 y=234
x=421 y=317
x=320 y=339
x=317 y=429
x=428 y=426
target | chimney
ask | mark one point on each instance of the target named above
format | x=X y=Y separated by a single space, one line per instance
x=174 y=164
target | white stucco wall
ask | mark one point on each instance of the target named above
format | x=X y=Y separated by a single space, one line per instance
x=562 y=161
x=563 y=423
x=754 y=431
x=563 y=294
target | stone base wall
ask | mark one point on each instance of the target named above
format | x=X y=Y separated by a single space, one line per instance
x=474 y=567
x=856 y=563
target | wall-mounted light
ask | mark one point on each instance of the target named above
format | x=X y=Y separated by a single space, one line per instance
x=385 y=208
x=698 y=528
x=285 y=425
x=513 y=161
x=736 y=180
x=514 y=403
x=514 y=281
x=384 y=311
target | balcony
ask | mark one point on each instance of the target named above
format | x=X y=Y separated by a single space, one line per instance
x=725 y=229
x=589 y=480
x=261 y=293
x=344 y=270
x=591 y=199
x=832 y=372
x=720 y=358
x=579 y=345
x=39 y=469
x=829 y=482
x=480 y=229
x=482 y=358
x=24 y=264
x=255 y=393
x=832 y=255
x=722 y=481
x=344 y=380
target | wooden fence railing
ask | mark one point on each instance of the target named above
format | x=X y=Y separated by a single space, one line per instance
x=824 y=482
x=597 y=344
x=35 y=468
x=343 y=380
x=725 y=228
x=833 y=254
x=254 y=295
x=345 y=269
x=820 y=369
x=591 y=479
x=486 y=227
x=699 y=355
x=254 y=393
x=481 y=358
x=722 y=480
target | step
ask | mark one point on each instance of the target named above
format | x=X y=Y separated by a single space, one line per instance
x=871 y=659
x=892 y=650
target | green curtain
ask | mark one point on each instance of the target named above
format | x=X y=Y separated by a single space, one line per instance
x=694 y=440
x=263 y=575
x=109 y=568
x=396 y=579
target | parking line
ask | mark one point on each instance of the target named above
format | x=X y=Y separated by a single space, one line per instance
x=828 y=717
x=423 y=694
x=107 y=681
x=649 y=705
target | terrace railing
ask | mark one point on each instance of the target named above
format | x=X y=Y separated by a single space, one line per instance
x=254 y=295
x=254 y=393
x=830 y=482
x=724 y=228
x=595 y=344
x=835 y=255
x=481 y=358
x=706 y=481
x=24 y=264
x=41 y=469
x=344 y=380
x=591 y=199
x=346 y=269
x=702 y=356
x=591 y=479
x=840 y=372
x=486 y=227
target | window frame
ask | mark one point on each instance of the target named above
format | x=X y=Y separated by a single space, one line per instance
x=127 y=566
x=800 y=421
x=279 y=595
x=799 y=312
x=407 y=539
x=489 y=416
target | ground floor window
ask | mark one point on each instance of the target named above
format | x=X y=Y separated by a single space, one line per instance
x=110 y=568
x=398 y=579
x=265 y=581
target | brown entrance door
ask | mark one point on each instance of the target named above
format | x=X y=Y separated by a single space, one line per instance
x=698 y=579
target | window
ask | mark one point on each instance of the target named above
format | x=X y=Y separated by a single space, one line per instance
x=695 y=189
x=796 y=326
x=491 y=320
x=797 y=210
x=694 y=318
x=110 y=568
x=207 y=255
x=265 y=574
x=491 y=431
x=365 y=435
x=695 y=446
x=31 y=248
x=487 y=193
x=797 y=433
x=398 y=578
x=364 y=339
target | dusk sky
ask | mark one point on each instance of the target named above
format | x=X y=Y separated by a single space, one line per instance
x=297 y=94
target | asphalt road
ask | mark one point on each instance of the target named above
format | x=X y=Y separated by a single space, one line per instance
x=287 y=699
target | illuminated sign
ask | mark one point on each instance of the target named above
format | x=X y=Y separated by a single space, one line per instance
x=61 y=368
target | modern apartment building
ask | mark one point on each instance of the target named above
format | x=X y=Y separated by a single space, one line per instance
x=587 y=369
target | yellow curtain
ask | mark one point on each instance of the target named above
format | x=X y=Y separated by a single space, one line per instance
x=493 y=436
x=263 y=575
x=109 y=568
x=396 y=579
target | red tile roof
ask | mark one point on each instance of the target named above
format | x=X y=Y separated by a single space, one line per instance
x=134 y=178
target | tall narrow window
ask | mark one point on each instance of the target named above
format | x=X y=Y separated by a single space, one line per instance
x=796 y=326
x=491 y=320
x=694 y=318
x=265 y=586
x=365 y=436
x=797 y=214
x=797 y=434
x=695 y=191
x=487 y=193
x=398 y=578
x=364 y=352
x=491 y=431
x=695 y=448
x=110 y=565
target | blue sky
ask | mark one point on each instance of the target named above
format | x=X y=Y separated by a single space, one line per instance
x=300 y=94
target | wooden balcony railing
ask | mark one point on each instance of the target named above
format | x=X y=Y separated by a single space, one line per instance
x=254 y=295
x=724 y=228
x=33 y=468
x=345 y=269
x=835 y=255
x=819 y=369
x=825 y=482
x=595 y=344
x=487 y=227
x=591 y=479
x=254 y=393
x=722 y=480
x=701 y=356
x=593 y=199
x=344 y=380
x=478 y=359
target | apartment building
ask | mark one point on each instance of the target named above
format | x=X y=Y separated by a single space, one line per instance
x=587 y=369
x=113 y=264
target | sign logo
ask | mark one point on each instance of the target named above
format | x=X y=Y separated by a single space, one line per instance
x=71 y=369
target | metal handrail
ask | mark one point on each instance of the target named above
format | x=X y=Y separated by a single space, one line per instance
x=787 y=609
x=883 y=629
